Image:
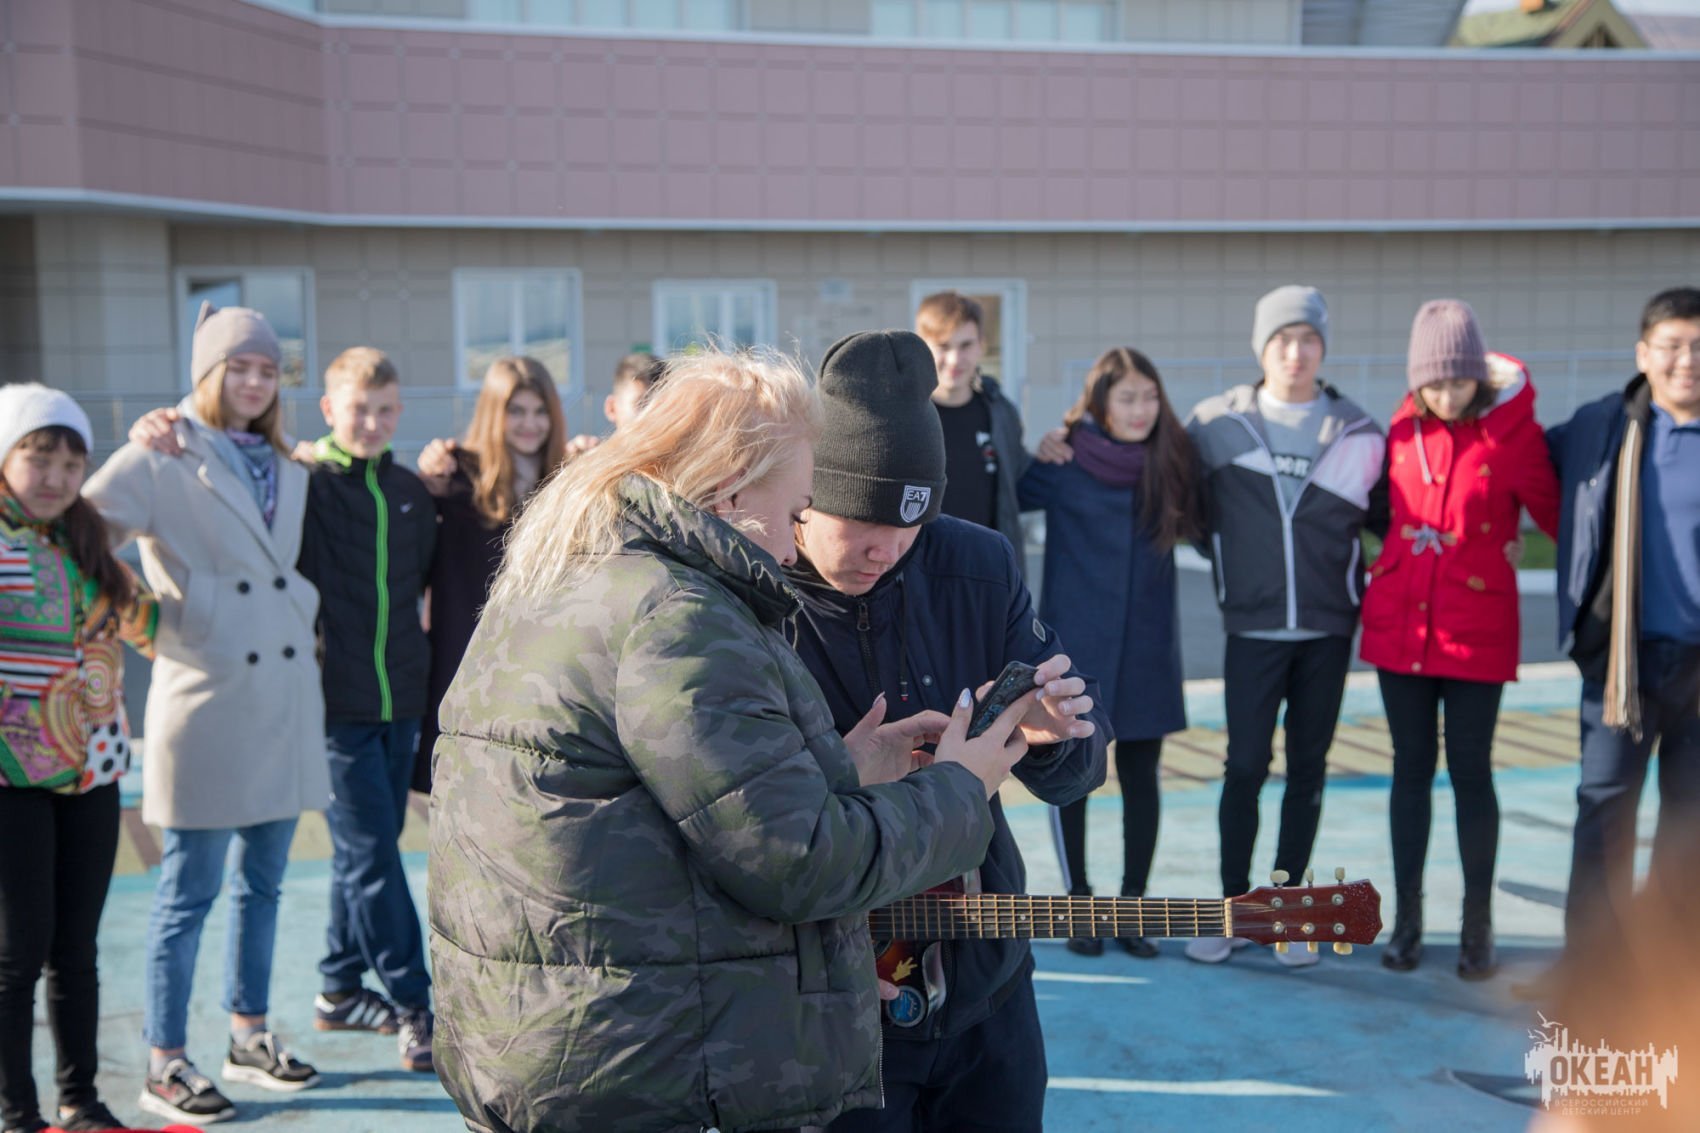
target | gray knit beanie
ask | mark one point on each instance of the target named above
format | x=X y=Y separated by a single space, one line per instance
x=880 y=458
x=1445 y=343
x=1285 y=306
x=222 y=333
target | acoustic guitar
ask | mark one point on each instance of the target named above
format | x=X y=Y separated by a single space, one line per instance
x=908 y=935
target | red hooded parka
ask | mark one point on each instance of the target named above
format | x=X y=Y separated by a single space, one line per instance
x=1442 y=597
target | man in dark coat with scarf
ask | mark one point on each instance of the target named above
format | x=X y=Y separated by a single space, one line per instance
x=902 y=609
x=1629 y=605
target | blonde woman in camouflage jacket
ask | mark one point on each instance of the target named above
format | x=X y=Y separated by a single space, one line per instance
x=651 y=854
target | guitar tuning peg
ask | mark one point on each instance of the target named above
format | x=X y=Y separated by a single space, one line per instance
x=1310 y=945
x=1341 y=948
x=1278 y=876
x=1339 y=873
x=1310 y=877
x=1281 y=947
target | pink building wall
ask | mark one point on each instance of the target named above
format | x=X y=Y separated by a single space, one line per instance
x=226 y=105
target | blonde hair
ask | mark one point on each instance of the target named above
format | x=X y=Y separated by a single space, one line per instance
x=208 y=400
x=719 y=423
x=363 y=367
x=484 y=452
x=943 y=311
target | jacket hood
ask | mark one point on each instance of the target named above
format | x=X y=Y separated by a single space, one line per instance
x=1343 y=412
x=659 y=521
x=1513 y=403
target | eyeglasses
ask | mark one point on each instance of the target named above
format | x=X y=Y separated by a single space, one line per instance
x=1675 y=349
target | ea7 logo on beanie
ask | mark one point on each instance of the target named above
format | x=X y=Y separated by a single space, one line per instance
x=915 y=501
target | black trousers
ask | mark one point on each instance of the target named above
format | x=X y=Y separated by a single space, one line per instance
x=1413 y=719
x=50 y=902
x=1136 y=773
x=1257 y=675
x=1614 y=769
x=989 y=1079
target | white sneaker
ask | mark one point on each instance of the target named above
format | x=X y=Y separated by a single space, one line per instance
x=1297 y=956
x=1214 y=949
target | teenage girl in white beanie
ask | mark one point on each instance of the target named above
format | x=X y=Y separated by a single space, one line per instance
x=235 y=714
x=65 y=606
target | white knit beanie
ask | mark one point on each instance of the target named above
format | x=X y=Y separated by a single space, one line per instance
x=28 y=406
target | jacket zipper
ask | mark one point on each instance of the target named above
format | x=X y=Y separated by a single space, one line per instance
x=381 y=556
x=1286 y=511
x=864 y=639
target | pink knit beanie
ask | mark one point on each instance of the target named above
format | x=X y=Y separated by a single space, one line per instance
x=1446 y=343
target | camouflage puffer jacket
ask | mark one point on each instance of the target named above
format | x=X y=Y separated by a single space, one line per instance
x=650 y=858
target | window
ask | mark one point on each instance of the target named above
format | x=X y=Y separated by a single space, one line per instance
x=1071 y=21
x=662 y=15
x=283 y=295
x=1005 y=304
x=517 y=311
x=731 y=312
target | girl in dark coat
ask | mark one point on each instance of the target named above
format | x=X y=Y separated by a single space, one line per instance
x=1112 y=518
x=516 y=440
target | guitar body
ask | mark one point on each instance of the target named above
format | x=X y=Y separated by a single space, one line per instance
x=917 y=970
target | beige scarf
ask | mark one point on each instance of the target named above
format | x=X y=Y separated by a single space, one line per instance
x=1623 y=693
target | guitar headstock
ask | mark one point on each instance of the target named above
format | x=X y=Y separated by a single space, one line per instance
x=1342 y=914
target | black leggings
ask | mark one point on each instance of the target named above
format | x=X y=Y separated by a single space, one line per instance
x=1136 y=771
x=50 y=903
x=1413 y=717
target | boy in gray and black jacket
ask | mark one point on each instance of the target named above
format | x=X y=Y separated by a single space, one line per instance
x=1289 y=465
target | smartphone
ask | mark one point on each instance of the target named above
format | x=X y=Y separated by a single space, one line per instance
x=1015 y=681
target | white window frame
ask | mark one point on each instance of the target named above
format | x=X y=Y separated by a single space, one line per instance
x=572 y=388
x=1012 y=316
x=180 y=277
x=764 y=291
x=918 y=22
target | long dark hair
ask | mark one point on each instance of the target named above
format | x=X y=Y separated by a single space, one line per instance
x=83 y=531
x=1170 y=504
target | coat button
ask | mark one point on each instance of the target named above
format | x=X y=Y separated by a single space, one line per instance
x=243 y=587
x=927 y=680
x=1416 y=666
x=288 y=651
x=1422 y=606
x=253 y=658
x=279 y=583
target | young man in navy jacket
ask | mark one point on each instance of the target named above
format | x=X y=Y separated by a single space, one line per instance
x=902 y=609
x=1629 y=605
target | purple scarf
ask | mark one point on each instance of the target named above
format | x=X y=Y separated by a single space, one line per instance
x=1113 y=463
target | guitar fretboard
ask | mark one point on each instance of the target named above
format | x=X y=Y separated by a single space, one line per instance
x=990 y=916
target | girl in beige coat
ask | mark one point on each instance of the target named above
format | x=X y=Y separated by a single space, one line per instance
x=235 y=714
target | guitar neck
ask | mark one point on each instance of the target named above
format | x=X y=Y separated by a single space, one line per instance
x=996 y=916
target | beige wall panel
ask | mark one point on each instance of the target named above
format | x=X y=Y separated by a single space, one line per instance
x=1184 y=299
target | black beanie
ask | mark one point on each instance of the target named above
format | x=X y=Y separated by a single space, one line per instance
x=880 y=458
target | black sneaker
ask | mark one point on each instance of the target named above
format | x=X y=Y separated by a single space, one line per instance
x=91 y=1118
x=415 y=1040
x=262 y=1061
x=183 y=1093
x=365 y=1010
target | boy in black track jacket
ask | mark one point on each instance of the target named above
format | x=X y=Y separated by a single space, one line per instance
x=903 y=603
x=369 y=534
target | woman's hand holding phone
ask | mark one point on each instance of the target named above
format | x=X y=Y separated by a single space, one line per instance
x=992 y=753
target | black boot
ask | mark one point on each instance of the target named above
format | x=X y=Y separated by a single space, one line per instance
x=1476 y=960
x=1405 y=949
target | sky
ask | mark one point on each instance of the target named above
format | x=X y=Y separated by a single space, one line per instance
x=1667 y=7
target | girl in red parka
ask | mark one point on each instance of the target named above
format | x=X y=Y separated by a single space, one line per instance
x=1465 y=456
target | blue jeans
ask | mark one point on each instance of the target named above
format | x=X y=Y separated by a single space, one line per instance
x=1614 y=769
x=192 y=870
x=374 y=924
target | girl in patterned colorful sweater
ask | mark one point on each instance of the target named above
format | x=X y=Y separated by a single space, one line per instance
x=66 y=604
